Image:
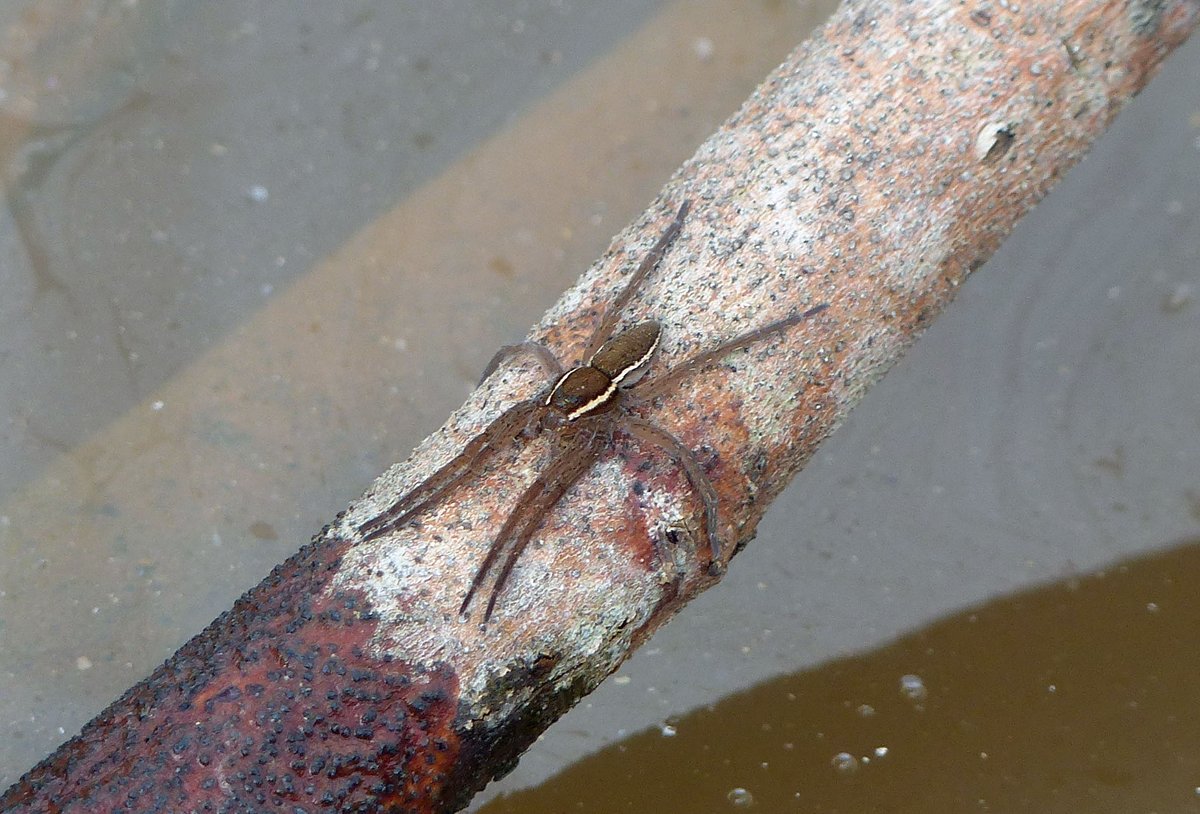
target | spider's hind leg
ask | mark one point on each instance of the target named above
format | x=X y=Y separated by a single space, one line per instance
x=645 y=431
x=650 y=262
x=673 y=376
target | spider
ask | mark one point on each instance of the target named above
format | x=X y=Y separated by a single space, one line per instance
x=586 y=405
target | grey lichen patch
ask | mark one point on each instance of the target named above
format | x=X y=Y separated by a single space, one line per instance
x=1144 y=16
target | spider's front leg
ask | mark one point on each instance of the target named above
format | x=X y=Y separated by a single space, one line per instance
x=506 y=427
x=535 y=503
x=546 y=359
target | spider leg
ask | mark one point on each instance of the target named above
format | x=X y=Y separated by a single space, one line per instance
x=545 y=358
x=652 y=259
x=535 y=503
x=643 y=430
x=656 y=387
x=504 y=428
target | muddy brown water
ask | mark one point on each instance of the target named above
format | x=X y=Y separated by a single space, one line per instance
x=1077 y=696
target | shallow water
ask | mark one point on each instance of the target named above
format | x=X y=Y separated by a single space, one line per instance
x=1075 y=696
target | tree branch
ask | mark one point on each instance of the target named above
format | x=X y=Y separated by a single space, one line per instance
x=872 y=171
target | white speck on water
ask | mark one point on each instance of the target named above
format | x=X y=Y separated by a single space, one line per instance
x=157 y=405
x=844 y=763
x=703 y=48
x=1152 y=607
x=881 y=751
x=668 y=731
x=258 y=193
x=1114 y=292
x=83 y=663
x=740 y=797
x=866 y=710
x=622 y=680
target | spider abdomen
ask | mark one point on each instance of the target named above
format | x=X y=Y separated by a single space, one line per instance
x=592 y=388
x=625 y=357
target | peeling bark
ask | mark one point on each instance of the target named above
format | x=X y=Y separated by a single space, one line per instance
x=874 y=170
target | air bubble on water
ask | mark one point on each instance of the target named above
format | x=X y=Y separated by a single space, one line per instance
x=866 y=710
x=881 y=751
x=668 y=731
x=740 y=797
x=1179 y=298
x=913 y=687
x=844 y=763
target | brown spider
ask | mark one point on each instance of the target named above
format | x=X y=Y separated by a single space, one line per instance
x=586 y=406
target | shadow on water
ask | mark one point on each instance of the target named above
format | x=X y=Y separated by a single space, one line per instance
x=1077 y=696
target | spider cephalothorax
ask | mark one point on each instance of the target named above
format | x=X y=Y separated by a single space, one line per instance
x=586 y=406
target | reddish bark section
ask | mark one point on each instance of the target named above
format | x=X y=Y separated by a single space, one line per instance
x=275 y=706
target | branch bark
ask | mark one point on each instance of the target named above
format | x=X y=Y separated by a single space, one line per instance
x=873 y=171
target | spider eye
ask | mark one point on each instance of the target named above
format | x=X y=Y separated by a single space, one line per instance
x=582 y=391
